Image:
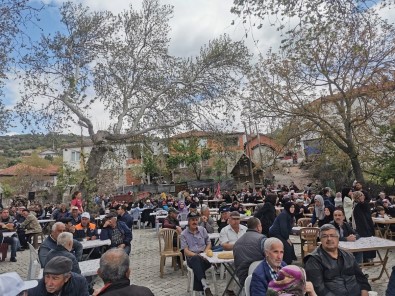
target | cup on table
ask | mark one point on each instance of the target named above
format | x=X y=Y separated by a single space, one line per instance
x=372 y=293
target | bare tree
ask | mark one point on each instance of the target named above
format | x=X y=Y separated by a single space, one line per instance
x=125 y=59
x=335 y=80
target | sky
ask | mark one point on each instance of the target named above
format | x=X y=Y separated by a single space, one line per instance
x=194 y=23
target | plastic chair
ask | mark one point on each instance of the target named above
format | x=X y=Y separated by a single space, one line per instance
x=247 y=284
x=34 y=264
x=253 y=265
x=308 y=240
x=303 y=222
x=182 y=217
x=191 y=275
x=168 y=250
x=135 y=213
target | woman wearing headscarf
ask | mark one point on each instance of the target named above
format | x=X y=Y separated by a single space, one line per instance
x=328 y=216
x=319 y=210
x=282 y=228
x=362 y=221
x=267 y=213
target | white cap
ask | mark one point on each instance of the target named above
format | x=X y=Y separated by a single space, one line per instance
x=85 y=215
x=11 y=284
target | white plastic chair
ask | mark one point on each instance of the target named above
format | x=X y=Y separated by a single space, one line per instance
x=191 y=275
x=247 y=284
x=253 y=265
x=34 y=264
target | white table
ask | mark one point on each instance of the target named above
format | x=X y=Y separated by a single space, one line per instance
x=214 y=235
x=371 y=244
x=249 y=205
x=8 y=233
x=92 y=244
x=229 y=266
x=88 y=268
x=183 y=224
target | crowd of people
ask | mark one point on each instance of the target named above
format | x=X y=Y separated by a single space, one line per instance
x=341 y=216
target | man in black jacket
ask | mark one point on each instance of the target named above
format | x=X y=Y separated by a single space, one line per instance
x=115 y=271
x=332 y=270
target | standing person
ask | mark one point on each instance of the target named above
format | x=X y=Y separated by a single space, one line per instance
x=76 y=201
x=282 y=228
x=362 y=221
x=115 y=272
x=267 y=214
x=332 y=270
x=347 y=203
x=195 y=240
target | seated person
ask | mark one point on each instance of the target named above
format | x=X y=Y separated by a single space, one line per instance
x=291 y=280
x=223 y=221
x=232 y=232
x=206 y=220
x=74 y=215
x=124 y=216
x=268 y=269
x=13 y=242
x=332 y=270
x=63 y=248
x=195 y=240
x=58 y=279
x=346 y=232
x=85 y=229
x=118 y=232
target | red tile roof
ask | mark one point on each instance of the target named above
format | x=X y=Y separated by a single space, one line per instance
x=25 y=169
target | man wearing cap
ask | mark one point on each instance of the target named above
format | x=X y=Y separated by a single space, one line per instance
x=205 y=220
x=231 y=233
x=171 y=220
x=63 y=248
x=118 y=232
x=50 y=243
x=124 y=216
x=223 y=221
x=11 y=284
x=31 y=225
x=60 y=280
x=85 y=229
x=74 y=215
x=195 y=240
x=115 y=272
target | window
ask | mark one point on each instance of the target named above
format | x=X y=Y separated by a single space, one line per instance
x=75 y=156
x=183 y=165
x=203 y=143
x=231 y=141
x=134 y=151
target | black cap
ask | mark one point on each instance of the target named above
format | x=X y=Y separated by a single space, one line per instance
x=193 y=206
x=58 y=265
x=66 y=220
x=193 y=215
x=111 y=215
x=223 y=210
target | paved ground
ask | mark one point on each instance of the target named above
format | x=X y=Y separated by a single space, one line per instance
x=145 y=267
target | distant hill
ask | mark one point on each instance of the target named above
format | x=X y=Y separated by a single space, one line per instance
x=11 y=146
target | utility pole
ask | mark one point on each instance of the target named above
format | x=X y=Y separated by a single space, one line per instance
x=249 y=155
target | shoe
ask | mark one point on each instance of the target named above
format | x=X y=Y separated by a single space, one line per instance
x=13 y=259
x=21 y=249
x=207 y=292
x=230 y=293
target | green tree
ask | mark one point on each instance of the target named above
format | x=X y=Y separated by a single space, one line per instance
x=190 y=153
x=384 y=167
x=125 y=59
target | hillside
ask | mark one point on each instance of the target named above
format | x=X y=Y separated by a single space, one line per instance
x=12 y=147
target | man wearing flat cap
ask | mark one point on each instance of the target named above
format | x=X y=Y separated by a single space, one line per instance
x=231 y=233
x=59 y=280
x=118 y=232
x=195 y=240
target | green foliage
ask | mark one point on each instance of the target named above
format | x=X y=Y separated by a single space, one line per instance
x=13 y=162
x=190 y=153
x=68 y=177
x=149 y=164
x=8 y=191
x=385 y=163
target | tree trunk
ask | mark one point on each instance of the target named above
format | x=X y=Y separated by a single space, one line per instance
x=92 y=170
x=356 y=166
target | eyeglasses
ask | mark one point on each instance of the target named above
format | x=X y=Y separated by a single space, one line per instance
x=326 y=236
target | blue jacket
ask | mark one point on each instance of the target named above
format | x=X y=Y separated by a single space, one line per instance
x=127 y=219
x=282 y=226
x=76 y=286
x=62 y=251
x=261 y=278
x=106 y=233
x=50 y=244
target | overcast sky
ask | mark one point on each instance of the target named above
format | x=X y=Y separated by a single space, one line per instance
x=195 y=22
